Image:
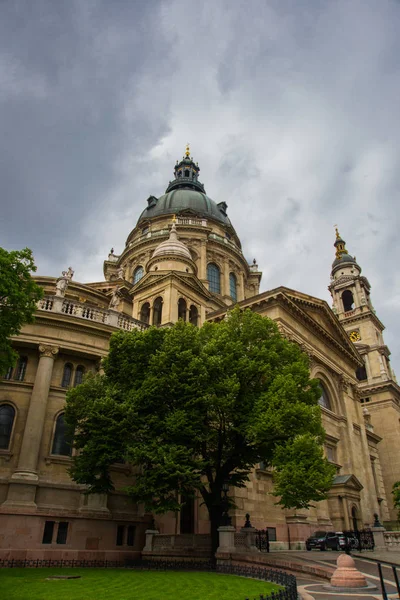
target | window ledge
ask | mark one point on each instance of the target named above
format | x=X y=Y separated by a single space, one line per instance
x=6 y=455
x=58 y=459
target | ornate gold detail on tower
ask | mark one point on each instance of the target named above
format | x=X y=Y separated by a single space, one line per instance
x=339 y=244
x=187 y=153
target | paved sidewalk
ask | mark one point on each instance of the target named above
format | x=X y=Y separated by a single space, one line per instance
x=366 y=562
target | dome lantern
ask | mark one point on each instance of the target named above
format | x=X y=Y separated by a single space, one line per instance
x=186 y=174
x=343 y=258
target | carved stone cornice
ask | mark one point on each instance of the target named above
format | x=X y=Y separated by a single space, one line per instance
x=48 y=351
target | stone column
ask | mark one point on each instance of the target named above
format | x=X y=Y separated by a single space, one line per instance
x=346 y=513
x=24 y=481
x=225 y=279
x=203 y=260
x=29 y=454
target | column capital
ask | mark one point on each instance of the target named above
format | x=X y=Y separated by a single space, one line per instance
x=49 y=351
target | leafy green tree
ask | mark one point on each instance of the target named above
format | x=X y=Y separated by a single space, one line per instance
x=196 y=408
x=18 y=297
x=396 y=497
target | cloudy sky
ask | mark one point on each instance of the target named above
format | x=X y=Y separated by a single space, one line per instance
x=291 y=109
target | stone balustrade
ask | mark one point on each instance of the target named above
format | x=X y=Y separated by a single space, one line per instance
x=392 y=540
x=83 y=311
x=221 y=240
x=190 y=221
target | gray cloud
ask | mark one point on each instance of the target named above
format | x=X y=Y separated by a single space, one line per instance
x=291 y=109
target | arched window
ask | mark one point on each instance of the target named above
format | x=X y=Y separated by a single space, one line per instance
x=79 y=373
x=232 y=287
x=187 y=173
x=348 y=300
x=67 y=375
x=62 y=442
x=214 y=278
x=361 y=373
x=137 y=274
x=8 y=375
x=145 y=313
x=193 y=315
x=7 y=415
x=20 y=371
x=182 y=307
x=157 y=311
x=324 y=398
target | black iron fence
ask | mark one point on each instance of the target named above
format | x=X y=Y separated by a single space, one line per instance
x=262 y=540
x=360 y=540
x=287 y=582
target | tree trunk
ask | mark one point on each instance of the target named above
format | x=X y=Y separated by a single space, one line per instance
x=215 y=514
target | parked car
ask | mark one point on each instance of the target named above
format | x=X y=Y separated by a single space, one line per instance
x=351 y=538
x=324 y=540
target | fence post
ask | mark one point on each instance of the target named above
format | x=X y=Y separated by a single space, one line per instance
x=379 y=537
x=384 y=594
x=226 y=538
x=150 y=533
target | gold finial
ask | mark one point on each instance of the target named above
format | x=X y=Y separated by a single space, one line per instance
x=187 y=151
x=174 y=219
x=337 y=232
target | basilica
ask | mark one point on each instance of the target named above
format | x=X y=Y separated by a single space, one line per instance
x=184 y=260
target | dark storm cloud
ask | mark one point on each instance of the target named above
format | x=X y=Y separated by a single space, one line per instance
x=64 y=71
x=291 y=108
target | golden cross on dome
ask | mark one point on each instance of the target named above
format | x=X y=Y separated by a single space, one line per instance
x=337 y=231
x=187 y=151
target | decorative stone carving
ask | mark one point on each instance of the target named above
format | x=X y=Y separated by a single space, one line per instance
x=49 y=351
x=115 y=300
x=62 y=282
x=121 y=273
x=68 y=274
x=61 y=286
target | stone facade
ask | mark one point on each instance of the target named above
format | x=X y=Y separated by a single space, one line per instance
x=184 y=259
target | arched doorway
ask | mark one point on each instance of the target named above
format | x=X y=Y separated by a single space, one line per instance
x=187 y=514
x=354 y=518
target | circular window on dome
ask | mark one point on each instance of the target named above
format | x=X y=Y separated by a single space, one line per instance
x=137 y=274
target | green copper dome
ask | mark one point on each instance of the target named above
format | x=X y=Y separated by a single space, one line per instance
x=186 y=192
x=182 y=199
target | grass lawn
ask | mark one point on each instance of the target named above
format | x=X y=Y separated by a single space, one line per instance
x=122 y=584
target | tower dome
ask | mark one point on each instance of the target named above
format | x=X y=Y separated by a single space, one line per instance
x=186 y=192
x=343 y=258
x=172 y=246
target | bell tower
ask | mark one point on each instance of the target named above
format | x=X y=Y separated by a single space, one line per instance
x=378 y=389
x=352 y=304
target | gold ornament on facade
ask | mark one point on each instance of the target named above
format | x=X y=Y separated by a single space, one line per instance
x=355 y=336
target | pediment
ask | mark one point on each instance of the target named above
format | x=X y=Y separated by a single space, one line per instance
x=348 y=481
x=318 y=312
